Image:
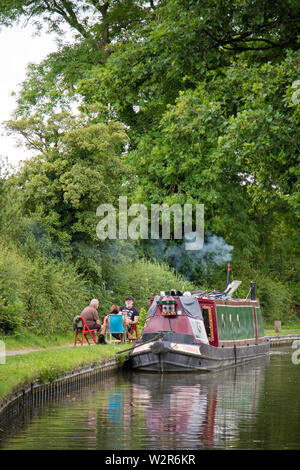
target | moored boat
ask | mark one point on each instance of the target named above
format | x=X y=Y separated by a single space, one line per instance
x=200 y=332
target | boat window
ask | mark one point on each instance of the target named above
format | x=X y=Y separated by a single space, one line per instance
x=208 y=321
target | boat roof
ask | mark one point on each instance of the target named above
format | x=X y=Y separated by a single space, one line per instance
x=189 y=304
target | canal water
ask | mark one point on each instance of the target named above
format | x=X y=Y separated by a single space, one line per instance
x=255 y=406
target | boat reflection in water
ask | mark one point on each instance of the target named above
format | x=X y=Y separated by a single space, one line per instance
x=196 y=411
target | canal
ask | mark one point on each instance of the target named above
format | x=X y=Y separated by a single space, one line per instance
x=256 y=406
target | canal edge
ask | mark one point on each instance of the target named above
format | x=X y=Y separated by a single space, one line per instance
x=284 y=340
x=37 y=393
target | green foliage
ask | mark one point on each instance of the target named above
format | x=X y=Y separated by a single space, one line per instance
x=142 y=318
x=183 y=42
x=275 y=299
x=39 y=293
x=28 y=339
x=79 y=169
x=142 y=280
x=52 y=293
x=96 y=22
x=275 y=296
x=11 y=309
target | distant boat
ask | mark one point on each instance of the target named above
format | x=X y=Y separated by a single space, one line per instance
x=200 y=332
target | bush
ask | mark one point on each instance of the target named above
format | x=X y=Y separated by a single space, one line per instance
x=274 y=296
x=143 y=279
x=46 y=293
x=142 y=319
x=41 y=294
x=275 y=299
x=53 y=293
x=11 y=309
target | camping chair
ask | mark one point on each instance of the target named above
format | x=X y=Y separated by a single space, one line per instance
x=82 y=327
x=116 y=326
x=133 y=330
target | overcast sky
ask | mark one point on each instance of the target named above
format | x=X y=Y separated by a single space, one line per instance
x=18 y=48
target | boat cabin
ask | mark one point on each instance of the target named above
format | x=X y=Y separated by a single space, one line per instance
x=217 y=320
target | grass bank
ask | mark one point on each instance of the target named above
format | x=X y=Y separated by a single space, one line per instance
x=283 y=332
x=287 y=328
x=27 y=339
x=48 y=365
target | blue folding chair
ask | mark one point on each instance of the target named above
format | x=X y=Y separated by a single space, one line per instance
x=116 y=326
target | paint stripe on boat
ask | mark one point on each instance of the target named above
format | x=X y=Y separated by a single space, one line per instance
x=142 y=348
x=186 y=348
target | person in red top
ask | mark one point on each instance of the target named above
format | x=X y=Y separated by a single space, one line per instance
x=91 y=316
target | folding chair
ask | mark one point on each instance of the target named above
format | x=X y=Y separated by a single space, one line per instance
x=116 y=326
x=84 y=329
x=133 y=330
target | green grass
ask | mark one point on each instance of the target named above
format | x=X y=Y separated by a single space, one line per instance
x=287 y=328
x=48 y=365
x=283 y=332
x=27 y=339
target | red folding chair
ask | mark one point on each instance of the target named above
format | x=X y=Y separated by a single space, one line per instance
x=84 y=329
x=133 y=329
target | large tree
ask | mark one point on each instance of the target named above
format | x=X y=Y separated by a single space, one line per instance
x=183 y=42
x=97 y=21
x=78 y=167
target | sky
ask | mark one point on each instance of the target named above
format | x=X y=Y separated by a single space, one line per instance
x=18 y=48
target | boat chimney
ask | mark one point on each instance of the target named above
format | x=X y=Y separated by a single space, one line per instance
x=253 y=291
x=228 y=273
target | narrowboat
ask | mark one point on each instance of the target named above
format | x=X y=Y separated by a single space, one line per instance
x=198 y=331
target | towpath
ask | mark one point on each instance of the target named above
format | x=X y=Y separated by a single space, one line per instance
x=15 y=352
x=269 y=333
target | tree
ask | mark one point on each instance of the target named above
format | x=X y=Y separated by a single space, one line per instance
x=233 y=145
x=78 y=169
x=183 y=42
x=52 y=85
x=97 y=21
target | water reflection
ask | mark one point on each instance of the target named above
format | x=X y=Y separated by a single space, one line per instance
x=222 y=410
x=198 y=411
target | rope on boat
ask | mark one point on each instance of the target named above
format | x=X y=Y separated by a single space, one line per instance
x=160 y=335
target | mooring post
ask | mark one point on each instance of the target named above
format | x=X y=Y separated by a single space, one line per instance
x=277 y=326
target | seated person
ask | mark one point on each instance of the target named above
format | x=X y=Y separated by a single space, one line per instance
x=131 y=315
x=115 y=310
x=91 y=317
